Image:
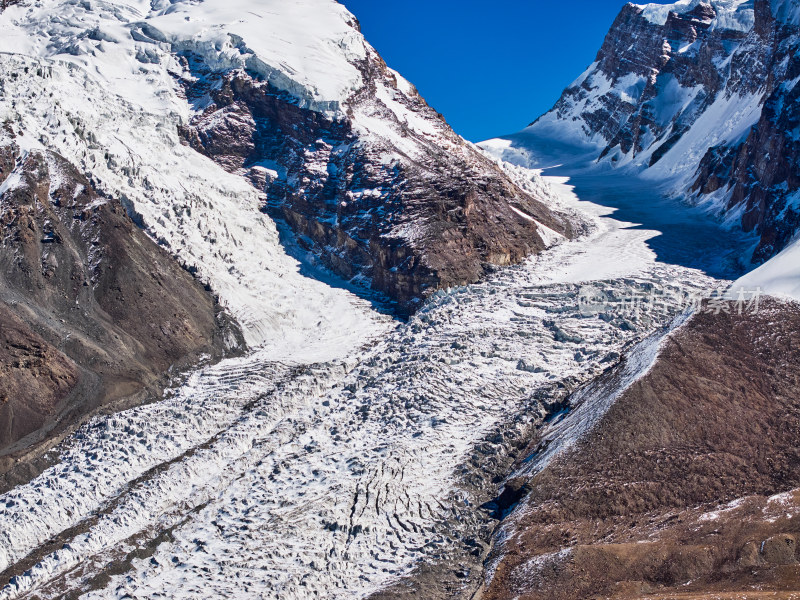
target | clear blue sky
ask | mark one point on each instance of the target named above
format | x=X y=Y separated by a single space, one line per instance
x=490 y=67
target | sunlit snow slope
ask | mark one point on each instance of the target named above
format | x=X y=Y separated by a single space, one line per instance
x=78 y=80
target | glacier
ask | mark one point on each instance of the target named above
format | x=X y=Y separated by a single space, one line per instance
x=334 y=479
x=332 y=459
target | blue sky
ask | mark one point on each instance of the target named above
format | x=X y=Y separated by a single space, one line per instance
x=490 y=67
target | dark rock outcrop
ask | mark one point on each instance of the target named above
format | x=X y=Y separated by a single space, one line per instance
x=403 y=220
x=631 y=119
x=92 y=311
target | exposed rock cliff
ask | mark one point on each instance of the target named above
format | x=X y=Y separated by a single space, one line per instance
x=103 y=200
x=702 y=94
x=383 y=191
x=92 y=310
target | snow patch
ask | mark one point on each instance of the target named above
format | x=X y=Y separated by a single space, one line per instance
x=779 y=276
x=209 y=219
x=727 y=121
x=549 y=237
x=736 y=15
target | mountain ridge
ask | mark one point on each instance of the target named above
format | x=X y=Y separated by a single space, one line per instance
x=700 y=95
x=381 y=148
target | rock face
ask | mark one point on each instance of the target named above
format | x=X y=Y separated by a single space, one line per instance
x=687 y=487
x=383 y=191
x=298 y=108
x=36 y=377
x=92 y=311
x=310 y=126
x=702 y=94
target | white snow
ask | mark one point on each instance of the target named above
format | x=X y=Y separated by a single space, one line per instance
x=779 y=276
x=787 y=11
x=12 y=182
x=325 y=462
x=737 y=15
x=403 y=84
x=630 y=87
x=306 y=48
x=617 y=248
x=672 y=99
x=727 y=121
x=590 y=405
x=331 y=480
x=549 y=237
x=716 y=514
x=614 y=251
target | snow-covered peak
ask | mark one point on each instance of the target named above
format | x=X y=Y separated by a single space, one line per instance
x=737 y=15
x=313 y=43
x=307 y=48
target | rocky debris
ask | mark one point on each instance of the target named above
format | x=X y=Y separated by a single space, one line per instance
x=687 y=487
x=34 y=378
x=714 y=82
x=405 y=212
x=92 y=310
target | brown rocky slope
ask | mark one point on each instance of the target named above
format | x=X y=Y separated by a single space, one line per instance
x=688 y=487
x=92 y=311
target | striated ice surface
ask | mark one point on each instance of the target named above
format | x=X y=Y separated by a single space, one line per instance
x=125 y=56
x=262 y=479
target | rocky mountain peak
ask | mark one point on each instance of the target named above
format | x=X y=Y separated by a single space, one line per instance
x=699 y=95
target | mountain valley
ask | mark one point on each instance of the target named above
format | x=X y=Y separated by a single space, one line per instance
x=270 y=328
